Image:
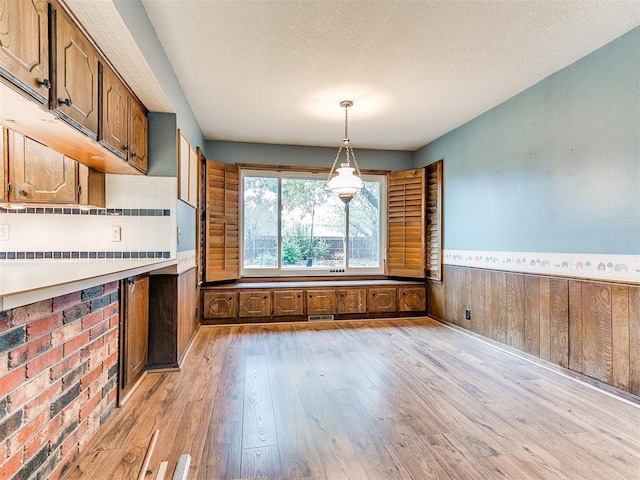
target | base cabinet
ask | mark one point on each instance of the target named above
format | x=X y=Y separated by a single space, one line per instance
x=297 y=301
x=173 y=319
x=134 y=331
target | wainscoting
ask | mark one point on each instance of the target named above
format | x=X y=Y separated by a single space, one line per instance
x=591 y=327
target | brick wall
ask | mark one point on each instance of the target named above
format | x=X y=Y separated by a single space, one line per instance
x=58 y=379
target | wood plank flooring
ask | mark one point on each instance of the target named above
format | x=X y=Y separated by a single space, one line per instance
x=392 y=399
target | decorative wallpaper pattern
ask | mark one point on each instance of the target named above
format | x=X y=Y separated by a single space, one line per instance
x=624 y=268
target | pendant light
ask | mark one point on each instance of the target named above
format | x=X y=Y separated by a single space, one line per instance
x=346 y=180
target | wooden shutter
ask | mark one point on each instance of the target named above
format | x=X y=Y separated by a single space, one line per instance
x=406 y=224
x=434 y=221
x=222 y=242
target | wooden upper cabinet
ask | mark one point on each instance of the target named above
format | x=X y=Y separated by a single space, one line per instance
x=114 y=121
x=406 y=224
x=24 y=46
x=76 y=87
x=123 y=121
x=138 y=136
x=222 y=224
x=40 y=174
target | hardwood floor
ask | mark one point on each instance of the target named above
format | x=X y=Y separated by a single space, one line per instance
x=392 y=399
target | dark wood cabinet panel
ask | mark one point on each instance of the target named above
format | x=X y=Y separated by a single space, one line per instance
x=412 y=299
x=255 y=303
x=138 y=136
x=321 y=302
x=172 y=318
x=24 y=46
x=382 y=299
x=91 y=187
x=288 y=302
x=76 y=86
x=39 y=174
x=135 y=330
x=220 y=305
x=352 y=300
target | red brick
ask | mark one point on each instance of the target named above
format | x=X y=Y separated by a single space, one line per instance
x=114 y=321
x=76 y=343
x=99 y=329
x=42 y=438
x=34 y=311
x=64 y=301
x=90 y=377
x=65 y=366
x=28 y=430
x=71 y=413
x=92 y=319
x=29 y=351
x=43 y=401
x=110 y=287
x=12 y=465
x=91 y=405
x=5 y=320
x=61 y=335
x=93 y=347
x=4 y=364
x=111 y=360
x=12 y=380
x=70 y=445
x=28 y=390
x=44 y=325
x=44 y=362
x=111 y=311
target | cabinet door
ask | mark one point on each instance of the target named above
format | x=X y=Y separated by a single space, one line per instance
x=321 y=302
x=412 y=299
x=136 y=327
x=383 y=299
x=187 y=320
x=91 y=187
x=138 y=136
x=219 y=305
x=114 y=121
x=352 y=300
x=288 y=302
x=39 y=174
x=4 y=177
x=24 y=46
x=76 y=85
x=255 y=303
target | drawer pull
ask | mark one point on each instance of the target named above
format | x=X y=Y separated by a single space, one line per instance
x=66 y=101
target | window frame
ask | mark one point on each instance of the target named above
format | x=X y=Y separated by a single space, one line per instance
x=308 y=174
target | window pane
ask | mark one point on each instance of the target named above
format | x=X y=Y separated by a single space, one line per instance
x=312 y=226
x=364 y=227
x=260 y=222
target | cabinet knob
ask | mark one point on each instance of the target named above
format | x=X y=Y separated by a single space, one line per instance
x=46 y=83
x=298 y=295
x=373 y=294
x=264 y=298
x=66 y=101
x=22 y=193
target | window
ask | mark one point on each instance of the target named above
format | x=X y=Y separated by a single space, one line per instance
x=292 y=226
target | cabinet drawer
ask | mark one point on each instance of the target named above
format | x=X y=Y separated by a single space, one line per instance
x=288 y=302
x=255 y=303
x=220 y=304
x=382 y=299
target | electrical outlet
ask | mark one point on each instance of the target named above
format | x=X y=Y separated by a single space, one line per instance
x=115 y=234
x=4 y=233
x=467 y=314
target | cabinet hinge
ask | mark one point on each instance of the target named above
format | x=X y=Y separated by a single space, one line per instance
x=9 y=187
x=79 y=189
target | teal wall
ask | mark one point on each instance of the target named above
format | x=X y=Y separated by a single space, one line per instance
x=555 y=168
x=294 y=155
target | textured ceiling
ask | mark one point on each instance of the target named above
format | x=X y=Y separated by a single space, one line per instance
x=275 y=70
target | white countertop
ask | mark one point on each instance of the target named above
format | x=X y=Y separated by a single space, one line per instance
x=24 y=282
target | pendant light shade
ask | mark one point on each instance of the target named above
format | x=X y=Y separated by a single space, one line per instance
x=345 y=181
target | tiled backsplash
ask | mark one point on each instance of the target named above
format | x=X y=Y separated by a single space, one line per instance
x=143 y=207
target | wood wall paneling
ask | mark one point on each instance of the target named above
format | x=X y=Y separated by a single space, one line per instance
x=532 y=315
x=591 y=327
x=559 y=322
x=620 y=345
x=634 y=340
